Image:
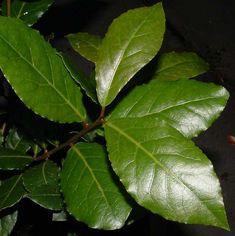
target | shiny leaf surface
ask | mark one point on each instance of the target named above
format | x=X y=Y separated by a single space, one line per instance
x=13 y=160
x=37 y=73
x=132 y=40
x=89 y=189
x=42 y=184
x=7 y=223
x=184 y=65
x=86 y=45
x=187 y=105
x=165 y=172
x=11 y=191
x=28 y=11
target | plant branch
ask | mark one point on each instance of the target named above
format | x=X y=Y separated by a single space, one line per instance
x=86 y=129
x=8 y=7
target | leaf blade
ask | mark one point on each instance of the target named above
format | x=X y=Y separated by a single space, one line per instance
x=98 y=202
x=42 y=73
x=123 y=54
x=184 y=65
x=165 y=172
x=189 y=106
x=7 y=223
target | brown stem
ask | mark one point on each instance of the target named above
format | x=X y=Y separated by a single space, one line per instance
x=8 y=7
x=86 y=129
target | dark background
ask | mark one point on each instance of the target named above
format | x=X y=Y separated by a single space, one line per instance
x=206 y=27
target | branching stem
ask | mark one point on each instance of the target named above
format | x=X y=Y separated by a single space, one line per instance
x=86 y=129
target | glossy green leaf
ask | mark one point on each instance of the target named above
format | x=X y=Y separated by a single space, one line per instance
x=11 y=191
x=189 y=106
x=13 y=160
x=16 y=141
x=86 y=44
x=184 y=65
x=28 y=11
x=89 y=189
x=132 y=40
x=7 y=223
x=165 y=172
x=37 y=73
x=87 y=83
x=42 y=184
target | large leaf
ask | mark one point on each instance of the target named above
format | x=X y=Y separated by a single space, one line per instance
x=37 y=73
x=16 y=141
x=42 y=184
x=7 y=223
x=87 y=83
x=28 y=11
x=86 y=44
x=184 y=65
x=131 y=42
x=165 y=172
x=90 y=191
x=189 y=106
x=11 y=159
x=11 y=191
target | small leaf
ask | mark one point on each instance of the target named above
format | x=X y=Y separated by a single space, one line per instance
x=165 y=172
x=11 y=191
x=86 y=44
x=184 y=65
x=7 y=223
x=189 y=106
x=28 y=11
x=132 y=40
x=42 y=184
x=87 y=83
x=16 y=141
x=13 y=160
x=37 y=73
x=89 y=189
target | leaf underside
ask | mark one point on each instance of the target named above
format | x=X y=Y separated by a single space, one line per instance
x=90 y=192
x=165 y=172
x=37 y=73
x=7 y=223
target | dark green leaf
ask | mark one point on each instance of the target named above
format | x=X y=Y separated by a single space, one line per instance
x=28 y=11
x=37 y=73
x=86 y=44
x=87 y=83
x=187 y=105
x=11 y=159
x=16 y=141
x=91 y=194
x=7 y=223
x=165 y=172
x=132 y=40
x=11 y=191
x=184 y=65
x=42 y=184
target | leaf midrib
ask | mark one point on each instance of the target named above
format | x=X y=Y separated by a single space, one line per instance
x=40 y=74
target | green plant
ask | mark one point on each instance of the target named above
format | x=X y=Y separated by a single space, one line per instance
x=137 y=149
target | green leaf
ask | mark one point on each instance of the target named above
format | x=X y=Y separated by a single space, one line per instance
x=11 y=191
x=184 y=65
x=91 y=194
x=132 y=40
x=42 y=184
x=87 y=83
x=86 y=44
x=13 y=160
x=165 y=172
x=28 y=11
x=16 y=141
x=37 y=73
x=7 y=223
x=189 y=106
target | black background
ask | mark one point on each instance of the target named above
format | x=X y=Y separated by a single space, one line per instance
x=206 y=27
